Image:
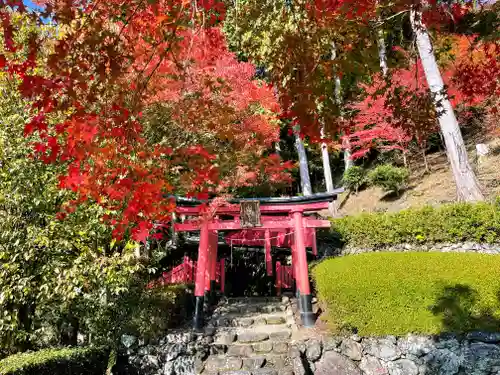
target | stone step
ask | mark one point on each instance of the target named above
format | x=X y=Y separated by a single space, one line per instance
x=252 y=308
x=236 y=320
x=255 y=364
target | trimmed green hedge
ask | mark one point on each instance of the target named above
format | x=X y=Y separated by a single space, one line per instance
x=400 y=293
x=68 y=361
x=456 y=222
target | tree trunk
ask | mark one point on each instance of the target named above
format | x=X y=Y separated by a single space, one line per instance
x=305 y=180
x=326 y=164
x=382 y=51
x=467 y=184
x=346 y=145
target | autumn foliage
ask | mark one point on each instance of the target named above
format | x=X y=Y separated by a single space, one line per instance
x=110 y=62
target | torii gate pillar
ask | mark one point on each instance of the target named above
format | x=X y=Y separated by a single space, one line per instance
x=302 y=275
x=202 y=269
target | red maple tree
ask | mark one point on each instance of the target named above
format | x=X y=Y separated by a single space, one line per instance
x=89 y=86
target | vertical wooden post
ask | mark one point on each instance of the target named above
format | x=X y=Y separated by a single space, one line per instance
x=222 y=275
x=201 y=274
x=314 y=242
x=305 y=298
x=187 y=271
x=278 y=279
x=213 y=244
x=269 y=260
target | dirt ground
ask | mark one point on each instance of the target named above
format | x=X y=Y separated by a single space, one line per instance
x=432 y=188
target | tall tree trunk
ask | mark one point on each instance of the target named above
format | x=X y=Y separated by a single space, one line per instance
x=468 y=188
x=327 y=170
x=346 y=144
x=305 y=180
x=382 y=51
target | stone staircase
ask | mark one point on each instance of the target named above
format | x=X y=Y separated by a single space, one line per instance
x=252 y=337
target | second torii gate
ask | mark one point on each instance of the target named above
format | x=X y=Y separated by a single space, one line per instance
x=269 y=215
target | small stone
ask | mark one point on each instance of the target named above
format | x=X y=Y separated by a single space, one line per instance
x=239 y=351
x=152 y=361
x=184 y=366
x=298 y=366
x=276 y=361
x=260 y=321
x=168 y=368
x=481 y=358
x=265 y=371
x=280 y=347
x=243 y=322
x=253 y=363
x=280 y=335
x=225 y=338
x=487 y=337
x=252 y=337
x=351 y=349
x=285 y=371
x=356 y=338
x=268 y=309
x=333 y=363
x=237 y=372
x=172 y=351
x=285 y=299
x=218 y=349
x=274 y=320
x=416 y=345
x=221 y=364
x=383 y=348
x=313 y=351
x=403 y=367
x=294 y=352
x=263 y=347
x=331 y=343
x=373 y=366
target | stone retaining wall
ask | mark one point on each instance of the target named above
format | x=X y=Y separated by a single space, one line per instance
x=474 y=354
x=461 y=247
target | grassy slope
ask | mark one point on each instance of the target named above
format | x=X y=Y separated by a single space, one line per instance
x=435 y=188
x=396 y=293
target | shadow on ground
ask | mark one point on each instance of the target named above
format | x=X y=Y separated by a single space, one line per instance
x=460 y=310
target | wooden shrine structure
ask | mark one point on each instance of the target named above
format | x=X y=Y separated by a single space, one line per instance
x=264 y=219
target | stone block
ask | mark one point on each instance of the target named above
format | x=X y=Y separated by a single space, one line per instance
x=265 y=371
x=274 y=320
x=313 y=350
x=239 y=351
x=333 y=363
x=221 y=364
x=373 y=366
x=253 y=363
x=226 y=338
x=280 y=335
x=243 y=322
x=250 y=337
x=351 y=349
x=280 y=347
x=383 y=348
x=403 y=367
x=263 y=347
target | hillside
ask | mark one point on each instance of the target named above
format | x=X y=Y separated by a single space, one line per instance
x=432 y=188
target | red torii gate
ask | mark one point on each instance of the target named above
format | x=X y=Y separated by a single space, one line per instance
x=269 y=215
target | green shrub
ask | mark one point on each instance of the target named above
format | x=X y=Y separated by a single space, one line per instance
x=57 y=362
x=389 y=178
x=354 y=178
x=455 y=222
x=141 y=312
x=400 y=293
